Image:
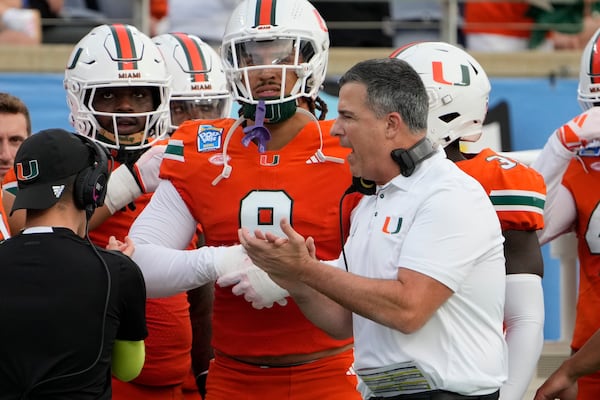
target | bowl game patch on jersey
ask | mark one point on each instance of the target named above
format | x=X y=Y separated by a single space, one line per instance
x=209 y=138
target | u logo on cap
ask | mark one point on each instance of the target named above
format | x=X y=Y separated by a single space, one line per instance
x=34 y=171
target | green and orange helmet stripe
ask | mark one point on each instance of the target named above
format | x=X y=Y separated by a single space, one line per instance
x=265 y=13
x=125 y=47
x=196 y=60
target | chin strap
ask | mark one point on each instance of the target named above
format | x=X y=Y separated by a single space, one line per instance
x=274 y=113
x=258 y=131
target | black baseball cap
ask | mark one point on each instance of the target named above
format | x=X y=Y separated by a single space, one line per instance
x=43 y=165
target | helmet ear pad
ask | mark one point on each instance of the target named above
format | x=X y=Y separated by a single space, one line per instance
x=89 y=188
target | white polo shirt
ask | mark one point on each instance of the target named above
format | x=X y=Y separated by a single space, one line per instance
x=441 y=223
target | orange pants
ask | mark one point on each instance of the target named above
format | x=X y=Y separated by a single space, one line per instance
x=327 y=378
x=133 y=391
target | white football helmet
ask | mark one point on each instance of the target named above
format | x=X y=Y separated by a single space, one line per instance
x=588 y=90
x=289 y=35
x=457 y=86
x=116 y=55
x=199 y=86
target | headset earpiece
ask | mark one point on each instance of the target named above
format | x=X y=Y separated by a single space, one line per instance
x=90 y=185
x=408 y=159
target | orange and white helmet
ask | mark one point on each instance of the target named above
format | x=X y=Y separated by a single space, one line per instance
x=297 y=40
x=457 y=86
x=116 y=55
x=199 y=86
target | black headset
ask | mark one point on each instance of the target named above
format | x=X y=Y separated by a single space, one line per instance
x=407 y=160
x=89 y=189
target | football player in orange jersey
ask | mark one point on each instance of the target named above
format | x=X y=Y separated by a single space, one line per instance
x=570 y=164
x=276 y=160
x=458 y=88
x=15 y=127
x=199 y=91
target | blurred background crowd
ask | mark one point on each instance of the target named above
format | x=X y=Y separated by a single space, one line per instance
x=493 y=26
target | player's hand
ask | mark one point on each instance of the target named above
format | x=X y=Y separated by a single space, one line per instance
x=256 y=287
x=581 y=130
x=128 y=182
x=126 y=247
x=147 y=167
x=552 y=390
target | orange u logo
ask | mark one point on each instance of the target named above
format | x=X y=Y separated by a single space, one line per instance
x=438 y=75
x=386 y=226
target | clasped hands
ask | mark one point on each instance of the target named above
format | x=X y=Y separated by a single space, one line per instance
x=279 y=259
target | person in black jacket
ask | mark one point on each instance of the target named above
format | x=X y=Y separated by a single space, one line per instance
x=71 y=312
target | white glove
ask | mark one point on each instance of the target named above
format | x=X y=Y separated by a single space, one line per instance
x=235 y=268
x=581 y=130
x=147 y=168
x=126 y=184
x=231 y=259
x=256 y=286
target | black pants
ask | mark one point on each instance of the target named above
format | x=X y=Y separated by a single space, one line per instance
x=439 y=395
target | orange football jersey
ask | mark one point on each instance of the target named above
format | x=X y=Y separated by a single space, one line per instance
x=582 y=179
x=517 y=191
x=292 y=182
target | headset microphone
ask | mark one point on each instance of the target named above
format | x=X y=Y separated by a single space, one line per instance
x=361 y=185
x=406 y=159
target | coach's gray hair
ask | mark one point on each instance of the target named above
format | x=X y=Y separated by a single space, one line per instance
x=392 y=86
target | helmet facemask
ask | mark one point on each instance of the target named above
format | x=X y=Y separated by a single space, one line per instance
x=288 y=36
x=110 y=57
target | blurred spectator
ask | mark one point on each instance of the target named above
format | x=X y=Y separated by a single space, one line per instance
x=158 y=16
x=572 y=25
x=203 y=18
x=417 y=20
x=19 y=25
x=66 y=21
x=356 y=13
x=497 y=26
